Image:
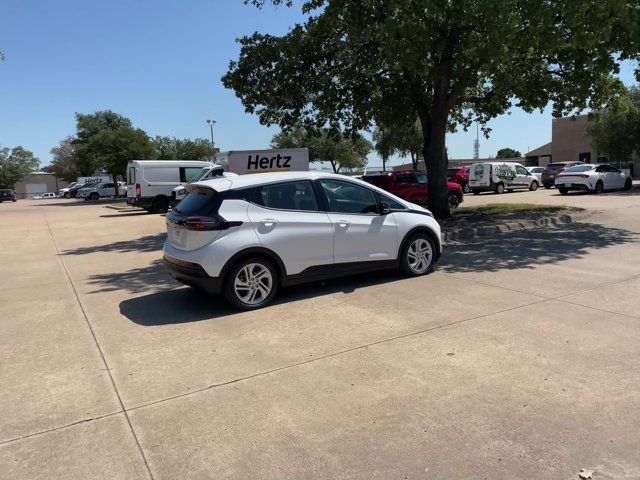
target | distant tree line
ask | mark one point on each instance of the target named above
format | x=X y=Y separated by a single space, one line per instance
x=106 y=141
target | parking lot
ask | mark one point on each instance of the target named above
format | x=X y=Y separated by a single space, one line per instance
x=517 y=358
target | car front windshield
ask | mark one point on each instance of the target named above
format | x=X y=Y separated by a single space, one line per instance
x=579 y=168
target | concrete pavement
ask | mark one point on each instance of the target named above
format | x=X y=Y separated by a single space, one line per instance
x=517 y=358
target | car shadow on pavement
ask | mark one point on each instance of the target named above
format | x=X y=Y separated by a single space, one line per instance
x=183 y=305
x=148 y=243
x=530 y=248
x=138 y=280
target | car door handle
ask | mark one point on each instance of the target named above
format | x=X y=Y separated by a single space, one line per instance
x=343 y=223
x=269 y=222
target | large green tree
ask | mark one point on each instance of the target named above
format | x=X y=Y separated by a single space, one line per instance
x=344 y=153
x=356 y=62
x=398 y=140
x=508 y=153
x=615 y=130
x=15 y=164
x=171 y=148
x=63 y=161
x=107 y=141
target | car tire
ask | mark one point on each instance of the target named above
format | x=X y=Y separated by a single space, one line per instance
x=534 y=186
x=476 y=192
x=466 y=188
x=453 y=200
x=94 y=196
x=563 y=191
x=67 y=195
x=500 y=188
x=510 y=190
x=547 y=186
x=237 y=277
x=599 y=187
x=420 y=244
x=628 y=184
x=160 y=205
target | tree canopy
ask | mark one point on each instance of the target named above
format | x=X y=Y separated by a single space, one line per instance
x=171 y=148
x=355 y=63
x=63 y=163
x=342 y=152
x=15 y=164
x=508 y=153
x=107 y=141
x=615 y=130
x=402 y=141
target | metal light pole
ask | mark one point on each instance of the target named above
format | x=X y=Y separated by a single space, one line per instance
x=211 y=124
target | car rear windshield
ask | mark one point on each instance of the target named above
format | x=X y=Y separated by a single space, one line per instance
x=452 y=171
x=556 y=166
x=5 y=191
x=373 y=179
x=200 y=201
x=579 y=168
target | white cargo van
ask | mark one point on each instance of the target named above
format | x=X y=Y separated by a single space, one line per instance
x=500 y=176
x=150 y=182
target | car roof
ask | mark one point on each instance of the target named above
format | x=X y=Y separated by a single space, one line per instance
x=221 y=184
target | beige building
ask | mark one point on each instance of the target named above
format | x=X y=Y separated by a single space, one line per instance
x=37 y=183
x=570 y=143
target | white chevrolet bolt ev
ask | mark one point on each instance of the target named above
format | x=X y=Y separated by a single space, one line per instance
x=247 y=236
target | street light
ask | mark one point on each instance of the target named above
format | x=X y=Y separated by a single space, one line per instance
x=211 y=124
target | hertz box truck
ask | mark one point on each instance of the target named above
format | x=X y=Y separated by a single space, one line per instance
x=258 y=161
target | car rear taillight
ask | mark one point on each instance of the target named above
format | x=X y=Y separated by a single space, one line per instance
x=208 y=223
x=138 y=191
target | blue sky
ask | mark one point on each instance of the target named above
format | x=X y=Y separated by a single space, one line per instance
x=158 y=63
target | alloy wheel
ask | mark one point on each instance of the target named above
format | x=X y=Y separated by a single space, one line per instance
x=419 y=256
x=253 y=284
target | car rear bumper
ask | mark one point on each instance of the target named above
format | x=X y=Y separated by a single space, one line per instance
x=572 y=186
x=191 y=274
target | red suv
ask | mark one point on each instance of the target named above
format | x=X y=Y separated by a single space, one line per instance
x=460 y=176
x=412 y=186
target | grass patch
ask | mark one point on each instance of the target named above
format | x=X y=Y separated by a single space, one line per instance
x=498 y=208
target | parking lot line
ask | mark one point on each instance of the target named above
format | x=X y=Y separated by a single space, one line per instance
x=97 y=345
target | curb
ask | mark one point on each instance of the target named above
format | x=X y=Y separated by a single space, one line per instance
x=489 y=230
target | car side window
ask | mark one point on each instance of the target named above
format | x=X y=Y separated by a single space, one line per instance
x=406 y=178
x=347 y=197
x=287 y=196
x=394 y=206
x=421 y=178
x=601 y=169
x=521 y=170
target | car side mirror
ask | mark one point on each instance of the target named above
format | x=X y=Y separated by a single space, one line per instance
x=384 y=208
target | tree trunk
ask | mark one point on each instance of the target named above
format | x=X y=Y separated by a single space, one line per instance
x=414 y=160
x=384 y=164
x=434 y=130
